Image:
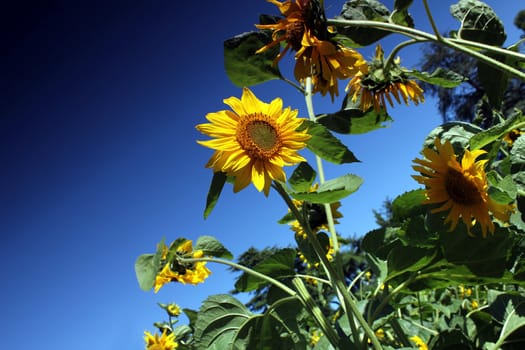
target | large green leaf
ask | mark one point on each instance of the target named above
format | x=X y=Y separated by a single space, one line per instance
x=496 y=132
x=302 y=178
x=220 y=318
x=408 y=204
x=326 y=145
x=372 y=10
x=217 y=183
x=211 y=246
x=243 y=66
x=147 y=266
x=400 y=14
x=280 y=264
x=509 y=310
x=408 y=259
x=440 y=77
x=331 y=191
x=478 y=22
x=458 y=133
x=352 y=120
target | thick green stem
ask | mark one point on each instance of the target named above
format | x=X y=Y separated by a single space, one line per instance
x=320 y=169
x=348 y=301
x=254 y=273
x=421 y=35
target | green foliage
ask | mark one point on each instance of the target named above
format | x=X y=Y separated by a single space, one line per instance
x=217 y=183
x=352 y=120
x=441 y=77
x=278 y=265
x=331 y=191
x=496 y=132
x=324 y=144
x=147 y=266
x=478 y=22
x=302 y=178
x=210 y=246
x=243 y=66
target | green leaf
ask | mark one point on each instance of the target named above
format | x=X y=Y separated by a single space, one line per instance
x=371 y=10
x=331 y=191
x=485 y=257
x=494 y=81
x=302 y=178
x=508 y=309
x=147 y=266
x=326 y=145
x=502 y=190
x=408 y=259
x=217 y=183
x=458 y=133
x=212 y=247
x=219 y=319
x=408 y=204
x=478 y=22
x=440 y=77
x=496 y=132
x=307 y=248
x=352 y=120
x=400 y=14
x=280 y=264
x=246 y=68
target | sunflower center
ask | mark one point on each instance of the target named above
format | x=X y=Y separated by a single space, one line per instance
x=258 y=136
x=460 y=189
x=294 y=35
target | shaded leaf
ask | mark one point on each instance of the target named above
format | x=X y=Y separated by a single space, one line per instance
x=478 y=22
x=400 y=14
x=212 y=247
x=326 y=145
x=440 y=77
x=408 y=204
x=246 y=68
x=352 y=120
x=147 y=266
x=217 y=183
x=496 y=132
x=302 y=177
x=331 y=191
x=279 y=264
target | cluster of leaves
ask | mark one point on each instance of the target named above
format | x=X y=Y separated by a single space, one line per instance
x=409 y=276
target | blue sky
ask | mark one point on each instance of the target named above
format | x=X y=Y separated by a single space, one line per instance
x=99 y=159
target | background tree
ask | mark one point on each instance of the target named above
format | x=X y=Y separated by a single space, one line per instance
x=469 y=99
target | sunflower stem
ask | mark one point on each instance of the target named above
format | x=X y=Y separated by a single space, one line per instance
x=254 y=273
x=421 y=35
x=320 y=169
x=395 y=50
x=347 y=299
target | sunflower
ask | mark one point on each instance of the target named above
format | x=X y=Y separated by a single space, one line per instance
x=254 y=141
x=421 y=345
x=164 y=342
x=174 y=271
x=461 y=188
x=512 y=136
x=304 y=30
x=376 y=84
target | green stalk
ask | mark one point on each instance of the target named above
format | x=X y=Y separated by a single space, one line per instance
x=421 y=35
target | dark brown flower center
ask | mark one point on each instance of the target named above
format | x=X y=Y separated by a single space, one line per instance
x=258 y=136
x=294 y=35
x=461 y=189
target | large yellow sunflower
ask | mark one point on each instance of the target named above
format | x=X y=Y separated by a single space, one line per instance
x=375 y=85
x=254 y=141
x=460 y=188
x=304 y=30
x=164 y=342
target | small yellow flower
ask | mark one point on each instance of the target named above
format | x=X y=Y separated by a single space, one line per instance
x=193 y=273
x=460 y=188
x=315 y=336
x=254 y=141
x=376 y=84
x=474 y=304
x=419 y=342
x=173 y=310
x=512 y=136
x=164 y=342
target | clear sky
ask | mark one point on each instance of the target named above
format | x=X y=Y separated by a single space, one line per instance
x=99 y=160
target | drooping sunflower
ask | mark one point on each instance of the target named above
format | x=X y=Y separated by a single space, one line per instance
x=305 y=31
x=375 y=84
x=460 y=187
x=254 y=141
x=174 y=271
x=163 y=342
x=512 y=136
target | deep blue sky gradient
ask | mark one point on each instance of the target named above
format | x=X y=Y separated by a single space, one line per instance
x=99 y=160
